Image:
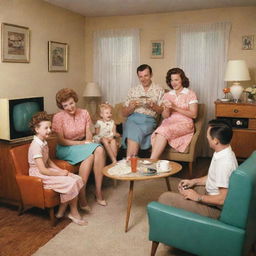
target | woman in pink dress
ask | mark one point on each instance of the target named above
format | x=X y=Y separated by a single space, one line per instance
x=75 y=145
x=180 y=108
x=53 y=177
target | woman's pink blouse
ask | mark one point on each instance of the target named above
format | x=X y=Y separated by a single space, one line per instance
x=72 y=127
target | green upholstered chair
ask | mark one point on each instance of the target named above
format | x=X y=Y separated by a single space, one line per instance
x=232 y=234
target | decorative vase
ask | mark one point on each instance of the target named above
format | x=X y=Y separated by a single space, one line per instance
x=236 y=91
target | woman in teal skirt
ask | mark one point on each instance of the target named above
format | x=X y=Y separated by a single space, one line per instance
x=72 y=126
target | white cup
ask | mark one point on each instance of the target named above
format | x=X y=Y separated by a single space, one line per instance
x=162 y=165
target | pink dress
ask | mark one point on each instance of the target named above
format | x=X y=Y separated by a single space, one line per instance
x=67 y=186
x=178 y=129
x=72 y=127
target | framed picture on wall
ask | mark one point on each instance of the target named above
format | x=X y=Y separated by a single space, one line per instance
x=14 y=43
x=157 y=49
x=57 y=57
x=247 y=42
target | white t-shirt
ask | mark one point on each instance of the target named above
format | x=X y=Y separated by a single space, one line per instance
x=222 y=165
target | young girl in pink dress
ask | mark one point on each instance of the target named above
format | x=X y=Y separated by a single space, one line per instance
x=62 y=181
x=180 y=108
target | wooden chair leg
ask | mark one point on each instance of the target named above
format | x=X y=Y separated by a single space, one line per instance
x=52 y=216
x=190 y=169
x=20 y=209
x=154 y=248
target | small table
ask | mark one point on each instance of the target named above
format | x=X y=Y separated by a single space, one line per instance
x=175 y=168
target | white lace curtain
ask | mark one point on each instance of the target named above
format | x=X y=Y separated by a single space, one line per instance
x=202 y=54
x=116 y=57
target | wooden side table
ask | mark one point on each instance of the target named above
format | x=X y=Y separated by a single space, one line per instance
x=242 y=117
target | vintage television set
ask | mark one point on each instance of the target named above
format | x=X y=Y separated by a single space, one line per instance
x=15 y=115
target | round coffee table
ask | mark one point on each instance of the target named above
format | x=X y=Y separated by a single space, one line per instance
x=174 y=168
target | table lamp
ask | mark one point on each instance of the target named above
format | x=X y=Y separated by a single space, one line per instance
x=236 y=71
x=92 y=91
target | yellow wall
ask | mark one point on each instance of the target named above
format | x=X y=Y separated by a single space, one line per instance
x=162 y=26
x=46 y=23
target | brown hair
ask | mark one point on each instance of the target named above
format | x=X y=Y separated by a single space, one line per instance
x=37 y=119
x=175 y=71
x=65 y=94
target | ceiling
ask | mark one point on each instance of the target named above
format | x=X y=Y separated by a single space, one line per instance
x=92 y=8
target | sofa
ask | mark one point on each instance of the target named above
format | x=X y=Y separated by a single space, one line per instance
x=190 y=153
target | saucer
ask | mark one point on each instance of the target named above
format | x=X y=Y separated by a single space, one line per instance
x=149 y=173
x=146 y=162
x=224 y=100
x=163 y=171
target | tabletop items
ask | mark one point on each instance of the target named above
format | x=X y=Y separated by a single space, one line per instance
x=138 y=167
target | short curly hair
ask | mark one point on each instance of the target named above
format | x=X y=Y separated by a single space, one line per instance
x=105 y=106
x=37 y=119
x=177 y=71
x=65 y=94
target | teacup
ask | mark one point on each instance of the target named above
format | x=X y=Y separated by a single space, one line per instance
x=162 y=166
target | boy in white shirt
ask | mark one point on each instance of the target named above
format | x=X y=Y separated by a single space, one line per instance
x=207 y=194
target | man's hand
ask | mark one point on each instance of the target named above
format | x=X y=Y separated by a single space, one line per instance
x=185 y=184
x=190 y=194
x=133 y=104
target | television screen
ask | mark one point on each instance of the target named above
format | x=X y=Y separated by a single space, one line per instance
x=21 y=112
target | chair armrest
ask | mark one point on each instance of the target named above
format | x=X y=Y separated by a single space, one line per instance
x=31 y=190
x=187 y=230
x=64 y=165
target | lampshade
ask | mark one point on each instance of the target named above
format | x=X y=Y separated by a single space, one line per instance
x=237 y=71
x=92 y=90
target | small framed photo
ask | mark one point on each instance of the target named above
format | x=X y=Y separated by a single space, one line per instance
x=57 y=57
x=157 y=49
x=14 y=43
x=247 y=42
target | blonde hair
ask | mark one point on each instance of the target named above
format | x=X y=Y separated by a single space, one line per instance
x=37 y=119
x=65 y=94
x=105 y=106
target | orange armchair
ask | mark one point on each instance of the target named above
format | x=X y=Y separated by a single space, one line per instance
x=31 y=188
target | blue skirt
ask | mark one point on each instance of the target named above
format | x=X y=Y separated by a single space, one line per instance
x=76 y=153
x=139 y=127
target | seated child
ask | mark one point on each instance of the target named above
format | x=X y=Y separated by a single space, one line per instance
x=105 y=130
x=53 y=177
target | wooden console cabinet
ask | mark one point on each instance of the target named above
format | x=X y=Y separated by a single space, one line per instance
x=9 y=191
x=244 y=138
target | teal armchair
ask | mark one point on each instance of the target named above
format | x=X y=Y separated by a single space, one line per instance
x=232 y=234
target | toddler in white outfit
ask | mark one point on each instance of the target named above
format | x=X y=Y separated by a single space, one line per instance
x=105 y=130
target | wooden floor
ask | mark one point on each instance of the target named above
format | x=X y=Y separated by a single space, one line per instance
x=23 y=235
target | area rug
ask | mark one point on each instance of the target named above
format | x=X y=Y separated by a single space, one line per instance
x=105 y=234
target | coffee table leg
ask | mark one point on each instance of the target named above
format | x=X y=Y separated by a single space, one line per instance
x=168 y=183
x=129 y=205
